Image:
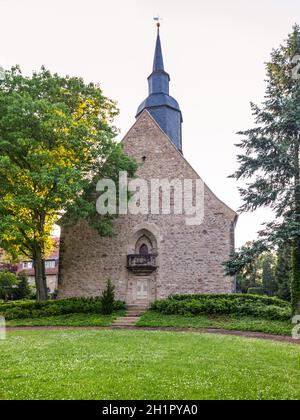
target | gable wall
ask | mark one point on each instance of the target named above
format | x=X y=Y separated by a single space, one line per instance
x=189 y=257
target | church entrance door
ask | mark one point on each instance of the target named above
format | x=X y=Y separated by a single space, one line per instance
x=141 y=291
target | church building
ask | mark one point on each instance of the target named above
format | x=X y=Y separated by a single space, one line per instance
x=152 y=256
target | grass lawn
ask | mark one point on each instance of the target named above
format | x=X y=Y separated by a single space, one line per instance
x=72 y=320
x=107 y=364
x=156 y=319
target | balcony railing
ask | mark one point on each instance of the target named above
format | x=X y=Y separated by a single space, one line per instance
x=139 y=263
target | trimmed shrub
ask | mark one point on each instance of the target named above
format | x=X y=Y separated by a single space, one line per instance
x=34 y=309
x=266 y=300
x=234 y=304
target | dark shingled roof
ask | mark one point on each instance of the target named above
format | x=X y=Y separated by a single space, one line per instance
x=163 y=108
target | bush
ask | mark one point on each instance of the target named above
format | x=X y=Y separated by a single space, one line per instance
x=107 y=299
x=34 y=309
x=23 y=290
x=257 y=306
x=266 y=300
x=256 y=291
x=8 y=282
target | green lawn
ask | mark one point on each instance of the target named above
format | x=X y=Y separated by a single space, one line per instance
x=156 y=319
x=107 y=364
x=72 y=320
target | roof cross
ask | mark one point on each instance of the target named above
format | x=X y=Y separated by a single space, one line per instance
x=157 y=19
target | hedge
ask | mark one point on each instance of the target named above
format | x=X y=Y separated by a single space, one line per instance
x=34 y=309
x=233 y=304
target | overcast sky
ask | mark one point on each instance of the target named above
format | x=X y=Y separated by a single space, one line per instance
x=214 y=51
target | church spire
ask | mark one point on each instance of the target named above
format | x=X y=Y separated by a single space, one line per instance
x=158 y=62
x=158 y=80
x=163 y=108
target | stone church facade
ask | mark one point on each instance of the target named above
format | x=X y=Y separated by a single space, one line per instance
x=155 y=255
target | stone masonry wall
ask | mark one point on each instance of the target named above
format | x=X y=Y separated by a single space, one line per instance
x=189 y=257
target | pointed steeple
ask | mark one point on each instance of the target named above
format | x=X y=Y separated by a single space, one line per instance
x=158 y=80
x=163 y=108
x=158 y=62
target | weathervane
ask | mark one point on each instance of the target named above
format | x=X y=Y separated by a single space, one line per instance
x=157 y=19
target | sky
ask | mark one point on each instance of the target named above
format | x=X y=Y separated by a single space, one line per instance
x=214 y=50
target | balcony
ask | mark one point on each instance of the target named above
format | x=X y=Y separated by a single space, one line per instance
x=139 y=263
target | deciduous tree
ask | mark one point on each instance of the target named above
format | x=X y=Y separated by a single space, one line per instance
x=56 y=141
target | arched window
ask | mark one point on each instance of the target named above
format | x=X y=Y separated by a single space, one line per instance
x=145 y=243
x=144 y=249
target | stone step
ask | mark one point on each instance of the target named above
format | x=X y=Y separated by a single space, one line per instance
x=122 y=327
x=130 y=319
x=139 y=312
x=134 y=313
x=129 y=316
x=137 y=307
x=126 y=320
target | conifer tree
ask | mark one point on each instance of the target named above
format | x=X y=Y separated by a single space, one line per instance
x=23 y=289
x=268 y=280
x=269 y=161
x=283 y=272
x=108 y=298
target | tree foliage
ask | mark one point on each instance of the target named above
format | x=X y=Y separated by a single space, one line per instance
x=269 y=162
x=23 y=289
x=56 y=141
x=268 y=275
x=8 y=281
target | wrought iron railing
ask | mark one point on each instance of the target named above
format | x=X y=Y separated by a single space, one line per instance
x=141 y=263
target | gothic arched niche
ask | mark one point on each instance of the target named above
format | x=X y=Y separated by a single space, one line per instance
x=143 y=246
x=144 y=242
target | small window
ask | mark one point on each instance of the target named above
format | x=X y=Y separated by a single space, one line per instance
x=50 y=264
x=27 y=265
x=144 y=250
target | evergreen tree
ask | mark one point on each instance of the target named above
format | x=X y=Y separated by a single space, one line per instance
x=268 y=279
x=242 y=283
x=283 y=272
x=270 y=161
x=108 y=298
x=23 y=289
x=251 y=274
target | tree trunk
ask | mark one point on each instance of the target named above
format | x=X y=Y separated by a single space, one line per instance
x=40 y=278
x=295 y=289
